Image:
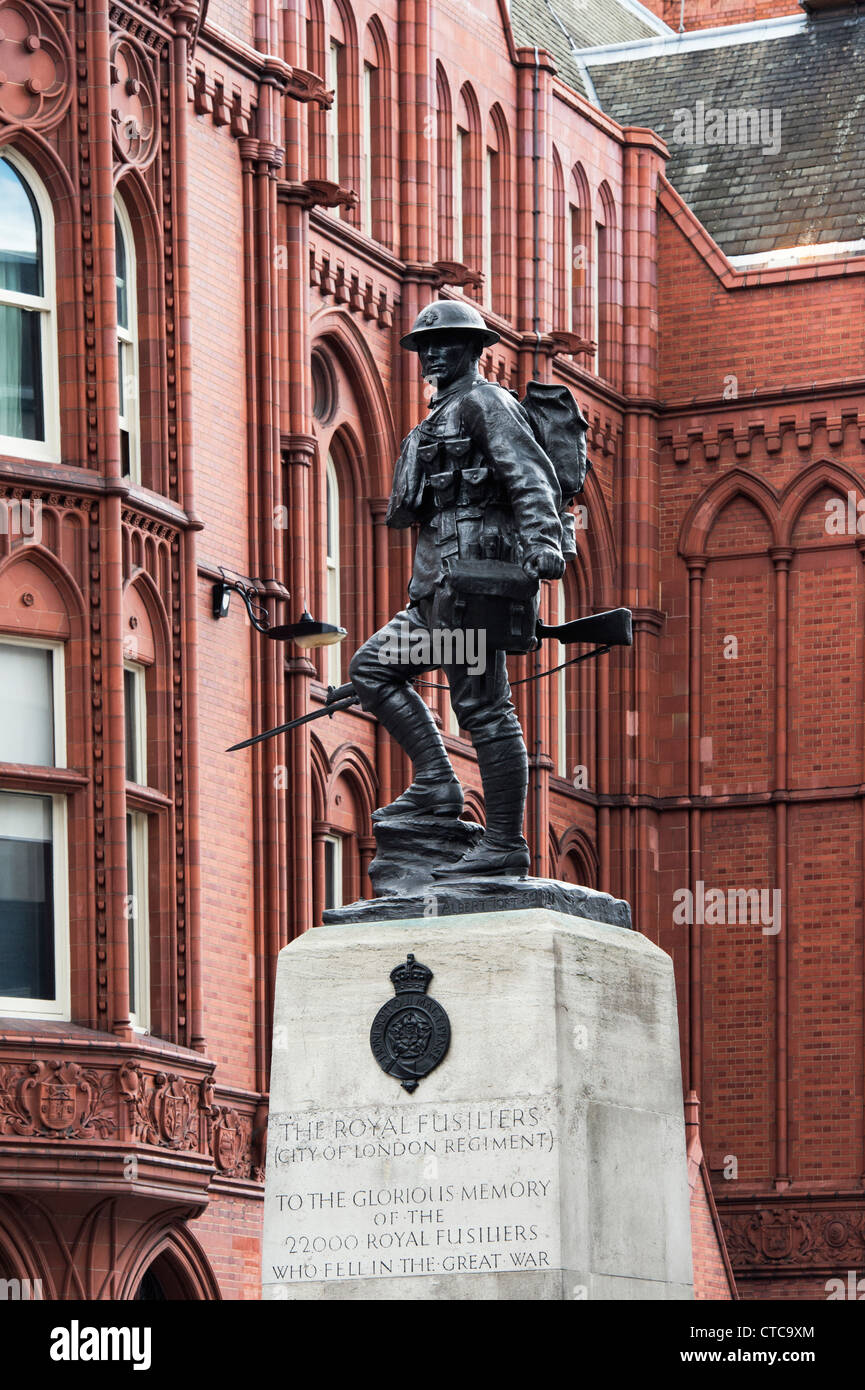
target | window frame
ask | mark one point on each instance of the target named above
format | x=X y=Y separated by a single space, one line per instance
x=127 y=341
x=139 y=673
x=59 y=1007
x=460 y=173
x=137 y=894
x=332 y=566
x=337 y=841
x=335 y=60
x=367 y=108
x=45 y=450
x=138 y=850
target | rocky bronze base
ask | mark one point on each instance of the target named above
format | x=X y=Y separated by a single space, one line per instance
x=408 y=848
x=474 y=895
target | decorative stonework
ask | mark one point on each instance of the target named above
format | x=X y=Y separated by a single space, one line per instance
x=232 y=1142
x=130 y=1099
x=781 y=1236
x=58 y=1099
x=35 y=66
x=165 y=1108
x=346 y=286
x=134 y=105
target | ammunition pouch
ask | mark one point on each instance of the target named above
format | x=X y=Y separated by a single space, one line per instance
x=491 y=596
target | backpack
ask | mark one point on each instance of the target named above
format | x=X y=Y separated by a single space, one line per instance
x=560 y=427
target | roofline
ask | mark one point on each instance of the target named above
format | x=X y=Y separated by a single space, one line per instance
x=648 y=16
x=759 y=31
x=734 y=277
x=799 y=255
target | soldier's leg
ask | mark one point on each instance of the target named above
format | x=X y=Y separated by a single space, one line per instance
x=483 y=707
x=380 y=672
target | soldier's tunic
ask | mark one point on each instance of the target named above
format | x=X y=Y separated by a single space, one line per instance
x=475 y=478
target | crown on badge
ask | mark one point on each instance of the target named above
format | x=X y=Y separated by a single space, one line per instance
x=411 y=977
x=429 y=316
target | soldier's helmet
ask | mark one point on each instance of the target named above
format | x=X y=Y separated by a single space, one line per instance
x=448 y=316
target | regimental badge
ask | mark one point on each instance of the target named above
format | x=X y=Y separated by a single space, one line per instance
x=411 y=1033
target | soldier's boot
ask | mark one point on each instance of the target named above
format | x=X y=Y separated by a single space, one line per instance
x=435 y=790
x=504 y=767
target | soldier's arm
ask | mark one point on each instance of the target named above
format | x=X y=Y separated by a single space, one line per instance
x=500 y=427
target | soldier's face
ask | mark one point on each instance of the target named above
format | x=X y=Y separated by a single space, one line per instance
x=444 y=357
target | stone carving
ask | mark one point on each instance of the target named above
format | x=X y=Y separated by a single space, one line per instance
x=232 y=1139
x=134 y=114
x=58 y=1099
x=35 y=66
x=164 y=1108
x=791 y=1236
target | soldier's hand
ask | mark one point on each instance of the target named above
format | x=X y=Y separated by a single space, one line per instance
x=544 y=564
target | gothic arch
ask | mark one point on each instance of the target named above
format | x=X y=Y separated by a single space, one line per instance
x=319 y=776
x=47 y=166
x=349 y=762
x=60 y=580
x=141 y=583
x=335 y=330
x=600 y=541
x=706 y=508
x=822 y=473
x=178 y=1252
x=576 y=846
x=474 y=806
x=19 y=1252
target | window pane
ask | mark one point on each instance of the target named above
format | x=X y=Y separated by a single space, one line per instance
x=332 y=873
x=26 y=897
x=20 y=235
x=21 y=413
x=131 y=730
x=121 y=274
x=26 y=705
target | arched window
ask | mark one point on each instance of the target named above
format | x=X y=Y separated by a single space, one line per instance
x=342 y=143
x=317 y=61
x=607 y=292
x=126 y=280
x=376 y=138
x=29 y=404
x=332 y=565
x=498 y=227
x=336 y=83
x=468 y=185
x=445 y=168
x=579 y=258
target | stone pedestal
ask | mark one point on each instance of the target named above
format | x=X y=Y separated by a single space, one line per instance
x=543 y=1157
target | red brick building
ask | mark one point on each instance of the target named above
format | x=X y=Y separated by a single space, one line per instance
x=217 y=219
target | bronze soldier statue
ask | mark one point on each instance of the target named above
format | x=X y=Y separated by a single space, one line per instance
x=475 y=478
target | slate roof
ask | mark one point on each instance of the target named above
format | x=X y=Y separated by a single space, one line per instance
x=561 y=26
x=813 y=189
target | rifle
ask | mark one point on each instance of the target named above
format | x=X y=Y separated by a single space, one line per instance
x=611 y=629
